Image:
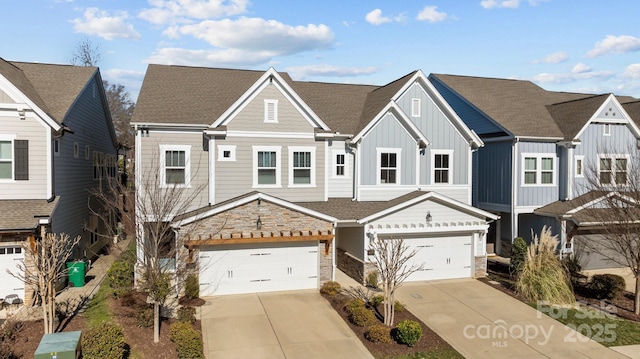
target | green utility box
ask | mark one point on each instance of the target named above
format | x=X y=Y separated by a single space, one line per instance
x=65 y=345
x=76 y=273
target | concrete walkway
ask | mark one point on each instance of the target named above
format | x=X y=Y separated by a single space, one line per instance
x=296 y=324
x=482 y=322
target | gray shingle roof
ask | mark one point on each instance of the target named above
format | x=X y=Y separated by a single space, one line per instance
x=571 y=116
x=22 y=215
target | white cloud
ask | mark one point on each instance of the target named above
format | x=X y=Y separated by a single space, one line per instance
x=581 y=68
x=560 y=78
x=375 y=17
x=177 y=11
x=554 y=58
x=615 y=44
x=131 y=80
x=431 y=14
x=258 y=35
x=632 y=72
x=302 y=72
x=100 y=23
x=492 y=4
x=209 y=58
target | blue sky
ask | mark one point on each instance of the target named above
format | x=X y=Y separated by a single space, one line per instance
x=564 y=45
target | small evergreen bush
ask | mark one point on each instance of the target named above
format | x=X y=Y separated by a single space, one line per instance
x=120 y=276
x=606 y=286
x=192 y=287
x=331 y=288
x=518 y=254
x=376 y=300
x=187 y=315
x=144 y=317
x=188 y=341
x=103 y=341
x=408 y=332
x=398 y=306
x=378 y=333
x=372 y=279
x=353 y=303
x=362 y=316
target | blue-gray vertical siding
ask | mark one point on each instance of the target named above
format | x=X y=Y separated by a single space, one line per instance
x=536 y=195
x=494 y=173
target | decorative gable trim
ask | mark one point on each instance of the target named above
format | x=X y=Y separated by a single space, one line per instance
x=18 y=96
x=604 y=115
x=401 y=117
x=271 y=76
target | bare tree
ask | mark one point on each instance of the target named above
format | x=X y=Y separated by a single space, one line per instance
x=85 y=54
x=616 y=219
x=43 y=268
x=394 y=263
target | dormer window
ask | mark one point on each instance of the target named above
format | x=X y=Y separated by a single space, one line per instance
x=271 y=111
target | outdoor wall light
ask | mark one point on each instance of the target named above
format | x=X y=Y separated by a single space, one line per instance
x=259 y=223
x=429 y=218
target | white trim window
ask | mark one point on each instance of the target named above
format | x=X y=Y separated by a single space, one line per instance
x=606 y=129
x=87 y=152
x=76 y=150
x=415 y=107
x=98 y=165
x=56 y=147
x=266 y=166
x=6 y=159
x=578 y=166
x=388 y=165
x=538 y=169
x=175 y=165
x=226 y=153
x=441 y=161
x=340 y=164
x=271 y=111
x=302 y=171
x=613 y=169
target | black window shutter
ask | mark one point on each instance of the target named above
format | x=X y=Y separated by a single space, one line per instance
x=21 y=148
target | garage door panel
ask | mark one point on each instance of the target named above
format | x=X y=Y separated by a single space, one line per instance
x=441 y=257
x=10 y=257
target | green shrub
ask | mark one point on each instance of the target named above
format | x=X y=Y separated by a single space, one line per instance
x=372 y=279
x=398 y=306
x=192 y=287
x=606 y=286
x=362 y=316
x=518 y=254
x=353 y=303
x=188 y=341
x=331 y=288
x=187 y=315
x=572 y=265
x=120 y=276
x=103 y=341
x=376 y=300
x=408 y=332
x=144 y=317
x=378 y=333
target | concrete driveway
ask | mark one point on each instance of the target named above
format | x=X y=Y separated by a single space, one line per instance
x=296 y=324
x=481 y=322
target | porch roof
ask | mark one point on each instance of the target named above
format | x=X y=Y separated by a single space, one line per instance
x=24 y=215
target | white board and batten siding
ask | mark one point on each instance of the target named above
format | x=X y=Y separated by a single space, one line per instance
x=257 y=268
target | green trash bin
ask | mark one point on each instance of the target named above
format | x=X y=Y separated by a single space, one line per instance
x=76 y=273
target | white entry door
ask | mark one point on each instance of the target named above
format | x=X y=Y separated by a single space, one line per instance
x=10 y=256
x=254 y=268
x=442 y=257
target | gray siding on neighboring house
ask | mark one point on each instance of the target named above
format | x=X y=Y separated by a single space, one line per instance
x=388 y=133
x=563 y=172
x=340 y=186
x=235 y=178
x=199 y=169
x=536 y=195
x=35 y=132
x=472 y=117
x=251 y=117
x=529 y=222
x=494 y=173
x=73 y=177
x=593 y=142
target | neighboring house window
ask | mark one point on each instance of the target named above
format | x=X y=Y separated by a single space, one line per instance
x=415 y=107
x=442 y=166
x=93 y=229
x=266 y=166
x=613 y=170
x=271 y=111
x=111 y=165
x=56 y=147
x=606 y=131
x=175 y=164
x=538 y=169
x=87 y=152
x=388 y=166
x=76 y=150
x=226 y=153
x=579 y=166
x=340 y=167
x=6 y=159
x=301 y=166
x=98 y=165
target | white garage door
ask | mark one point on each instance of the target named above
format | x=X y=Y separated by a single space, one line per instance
x=442 y=257
x=10 y=256
x=253 y=268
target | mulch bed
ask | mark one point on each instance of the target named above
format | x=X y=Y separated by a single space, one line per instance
x=428 y=342
x=140 y=340
x=623 y=303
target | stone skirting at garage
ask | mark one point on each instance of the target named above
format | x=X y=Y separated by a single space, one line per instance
x=352 y=266
x=325 y=262
x=480 y=266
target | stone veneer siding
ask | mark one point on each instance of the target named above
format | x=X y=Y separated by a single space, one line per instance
x=325 y=261
x=480 y=267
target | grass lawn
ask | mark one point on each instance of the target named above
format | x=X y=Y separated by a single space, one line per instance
x=433 y=354
x=98 y=310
